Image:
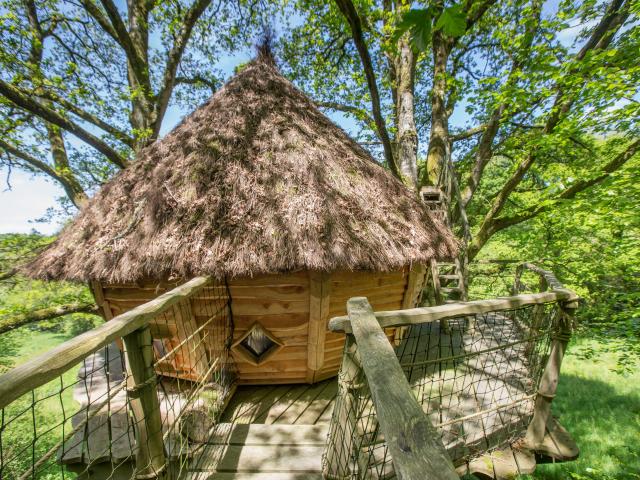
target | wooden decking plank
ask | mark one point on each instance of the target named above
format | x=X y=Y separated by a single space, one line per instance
x=267 y=458
x=317 y=407
x=122 y=437
x=276 y=434
x=270 y=400
x=558 y=443
x=252 y=476
x=98 y=444
x=303 y=405
x=246 y=402
x=287 y=403
x=71 y=450
x=325 y=416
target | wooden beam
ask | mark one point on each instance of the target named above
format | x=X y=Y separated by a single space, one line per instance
x=51 y=364
x=340 y=447
x=319 y=297
x=414 y=444
x=398 y=318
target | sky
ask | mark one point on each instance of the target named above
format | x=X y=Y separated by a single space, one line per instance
x=31 y=196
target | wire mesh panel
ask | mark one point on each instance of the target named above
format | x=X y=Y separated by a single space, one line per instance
x=144 y=405
x=476 y=377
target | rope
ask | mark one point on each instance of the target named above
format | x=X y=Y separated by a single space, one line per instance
x=134 y=391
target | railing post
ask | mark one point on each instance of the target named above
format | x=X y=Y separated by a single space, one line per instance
x=551 y=375
x=413 y=442
x=151 y=462
x=339 y=452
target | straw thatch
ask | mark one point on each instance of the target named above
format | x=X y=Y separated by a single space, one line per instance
x=256 y=180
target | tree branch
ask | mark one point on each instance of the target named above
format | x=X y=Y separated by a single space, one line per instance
x=174 y=57
x=66 y=178
x=196 y=79
x=358 y=112
x=456 y=137
x=612 y=20
x=570 y=192
x=16 y=321
x=136 y=60
x=21 y=100
x=83 y=114
x=349 y=11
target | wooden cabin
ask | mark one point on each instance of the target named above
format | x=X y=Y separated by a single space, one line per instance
x=280 y=320
x=260 y=190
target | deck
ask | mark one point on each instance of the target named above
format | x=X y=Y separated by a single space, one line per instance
x=280 y=431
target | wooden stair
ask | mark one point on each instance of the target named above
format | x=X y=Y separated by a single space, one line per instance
x=261 y=452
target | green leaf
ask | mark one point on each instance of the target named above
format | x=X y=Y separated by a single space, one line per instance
x=418 y=23
x=452 y=21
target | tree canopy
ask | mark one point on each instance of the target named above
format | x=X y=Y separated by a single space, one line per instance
x=526 y=113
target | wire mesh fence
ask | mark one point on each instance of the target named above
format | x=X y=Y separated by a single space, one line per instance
x=144 y=405
x=475 y=376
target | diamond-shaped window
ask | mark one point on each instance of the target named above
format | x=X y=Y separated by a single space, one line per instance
x=257 y=344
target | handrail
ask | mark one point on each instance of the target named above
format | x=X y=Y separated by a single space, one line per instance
x=49 y=365
x=547 y=276
x=412 y=316
x=415 y=446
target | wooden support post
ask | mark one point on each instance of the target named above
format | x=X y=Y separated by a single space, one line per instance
x=339 y=452
x=319 y=296
x=414 y=444
x=551 y=376
x=151 y=462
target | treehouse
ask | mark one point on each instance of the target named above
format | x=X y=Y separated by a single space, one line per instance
x=261 y=191
x=243 y=261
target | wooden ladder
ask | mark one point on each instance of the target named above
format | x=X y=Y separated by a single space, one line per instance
x=448 y=282
x=447 y=277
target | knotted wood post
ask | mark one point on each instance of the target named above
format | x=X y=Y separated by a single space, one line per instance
x=551 y=375
x=339 y=452
x=151 y=461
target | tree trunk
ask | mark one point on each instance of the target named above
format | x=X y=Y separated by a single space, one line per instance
x=407 y=135
x=142 y=116
x=439 y=137
x=67 y=179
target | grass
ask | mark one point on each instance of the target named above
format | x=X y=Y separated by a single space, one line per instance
x=601 y=410
x=44 y=422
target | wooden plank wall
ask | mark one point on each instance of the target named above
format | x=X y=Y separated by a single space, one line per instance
x=294 y=307
x=173 y=326
x=281 y=304
x=385 y=291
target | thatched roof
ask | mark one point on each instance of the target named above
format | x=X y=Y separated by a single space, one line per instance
x=256 y=180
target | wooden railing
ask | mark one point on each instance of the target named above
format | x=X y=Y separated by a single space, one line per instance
x=374 y=388
x=140 y=385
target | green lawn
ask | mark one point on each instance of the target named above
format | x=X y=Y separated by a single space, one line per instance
x=53 y=408
x=601 y=410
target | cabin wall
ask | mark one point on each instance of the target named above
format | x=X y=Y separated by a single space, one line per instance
x=384 y=290
x=173 y=326
x=295 y=308
x=280 y=303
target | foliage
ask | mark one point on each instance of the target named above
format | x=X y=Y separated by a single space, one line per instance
x=19 y=295
x=50 y=412
x=106 y=73
x=593 y=245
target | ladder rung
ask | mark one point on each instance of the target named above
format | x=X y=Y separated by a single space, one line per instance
x=449 y=277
